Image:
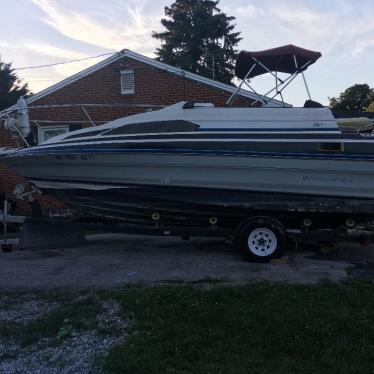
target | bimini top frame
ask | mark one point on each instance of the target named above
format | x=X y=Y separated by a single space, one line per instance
x=287 y=59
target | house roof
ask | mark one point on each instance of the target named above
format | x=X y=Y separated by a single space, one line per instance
x=157 y=64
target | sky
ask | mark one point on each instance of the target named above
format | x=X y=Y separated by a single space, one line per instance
x=36 y=32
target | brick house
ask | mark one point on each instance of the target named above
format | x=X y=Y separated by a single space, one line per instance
x=125 y=83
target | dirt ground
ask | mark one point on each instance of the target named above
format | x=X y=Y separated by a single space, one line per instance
x=110 y=260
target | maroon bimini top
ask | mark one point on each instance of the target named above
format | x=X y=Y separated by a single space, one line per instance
x=276 y=59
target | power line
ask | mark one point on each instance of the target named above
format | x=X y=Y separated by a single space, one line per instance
x=47 y=80
x=64 y=62
x=39 y=76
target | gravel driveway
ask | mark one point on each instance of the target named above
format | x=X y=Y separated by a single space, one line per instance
x=109 y=260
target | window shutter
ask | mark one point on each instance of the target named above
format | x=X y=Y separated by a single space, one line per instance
x=127 y=82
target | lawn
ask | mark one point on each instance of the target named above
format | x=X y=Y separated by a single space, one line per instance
x=211 y=328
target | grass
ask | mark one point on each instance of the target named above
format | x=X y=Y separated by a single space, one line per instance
x=257 y=328
x=260 y=328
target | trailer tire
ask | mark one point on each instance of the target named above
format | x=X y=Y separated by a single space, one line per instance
x=261 y=239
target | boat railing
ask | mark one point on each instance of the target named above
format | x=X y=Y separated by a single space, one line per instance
x=356 y=125
x=16 y=119
x=366 y=130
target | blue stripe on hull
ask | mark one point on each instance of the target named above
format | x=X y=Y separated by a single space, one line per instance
x=66 y=150
x=262 y=129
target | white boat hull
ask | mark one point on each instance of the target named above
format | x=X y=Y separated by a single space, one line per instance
x=321 y=177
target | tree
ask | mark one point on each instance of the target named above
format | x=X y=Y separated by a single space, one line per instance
x=370 y=108
x=11 y=87
x=199 y=38
x=355 y=98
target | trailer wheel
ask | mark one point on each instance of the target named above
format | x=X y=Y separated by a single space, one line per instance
x=261 y=239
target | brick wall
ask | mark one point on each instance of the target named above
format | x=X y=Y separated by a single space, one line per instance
x=152 y=86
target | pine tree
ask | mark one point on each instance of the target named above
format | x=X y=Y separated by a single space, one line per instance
x=11 y=87
x=199 y=38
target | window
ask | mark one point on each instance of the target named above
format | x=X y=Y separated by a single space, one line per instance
x=85 y=134
x=154 y=127
x=48 y=132
x=127 y=82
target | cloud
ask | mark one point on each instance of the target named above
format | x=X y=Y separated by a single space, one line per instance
x=344 y=30
x=337 y=28
x=52 y=50
x=59 y=54
x=361 y=46
x=120 y=27
x=249 y=10
x=31 y=53
x=341 y=29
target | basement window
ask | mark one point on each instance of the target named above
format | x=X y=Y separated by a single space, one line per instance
x=127 y=82
x=48 y=132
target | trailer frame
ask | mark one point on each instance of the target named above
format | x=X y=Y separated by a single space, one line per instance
x=361 y=233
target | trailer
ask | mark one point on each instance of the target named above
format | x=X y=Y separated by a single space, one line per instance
x=259 y=237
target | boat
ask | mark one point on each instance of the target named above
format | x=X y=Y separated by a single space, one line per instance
x=200 y=165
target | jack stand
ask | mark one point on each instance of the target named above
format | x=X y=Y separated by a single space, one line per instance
x=5 y=246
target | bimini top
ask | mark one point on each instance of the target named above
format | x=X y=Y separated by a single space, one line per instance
x=281 y=59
